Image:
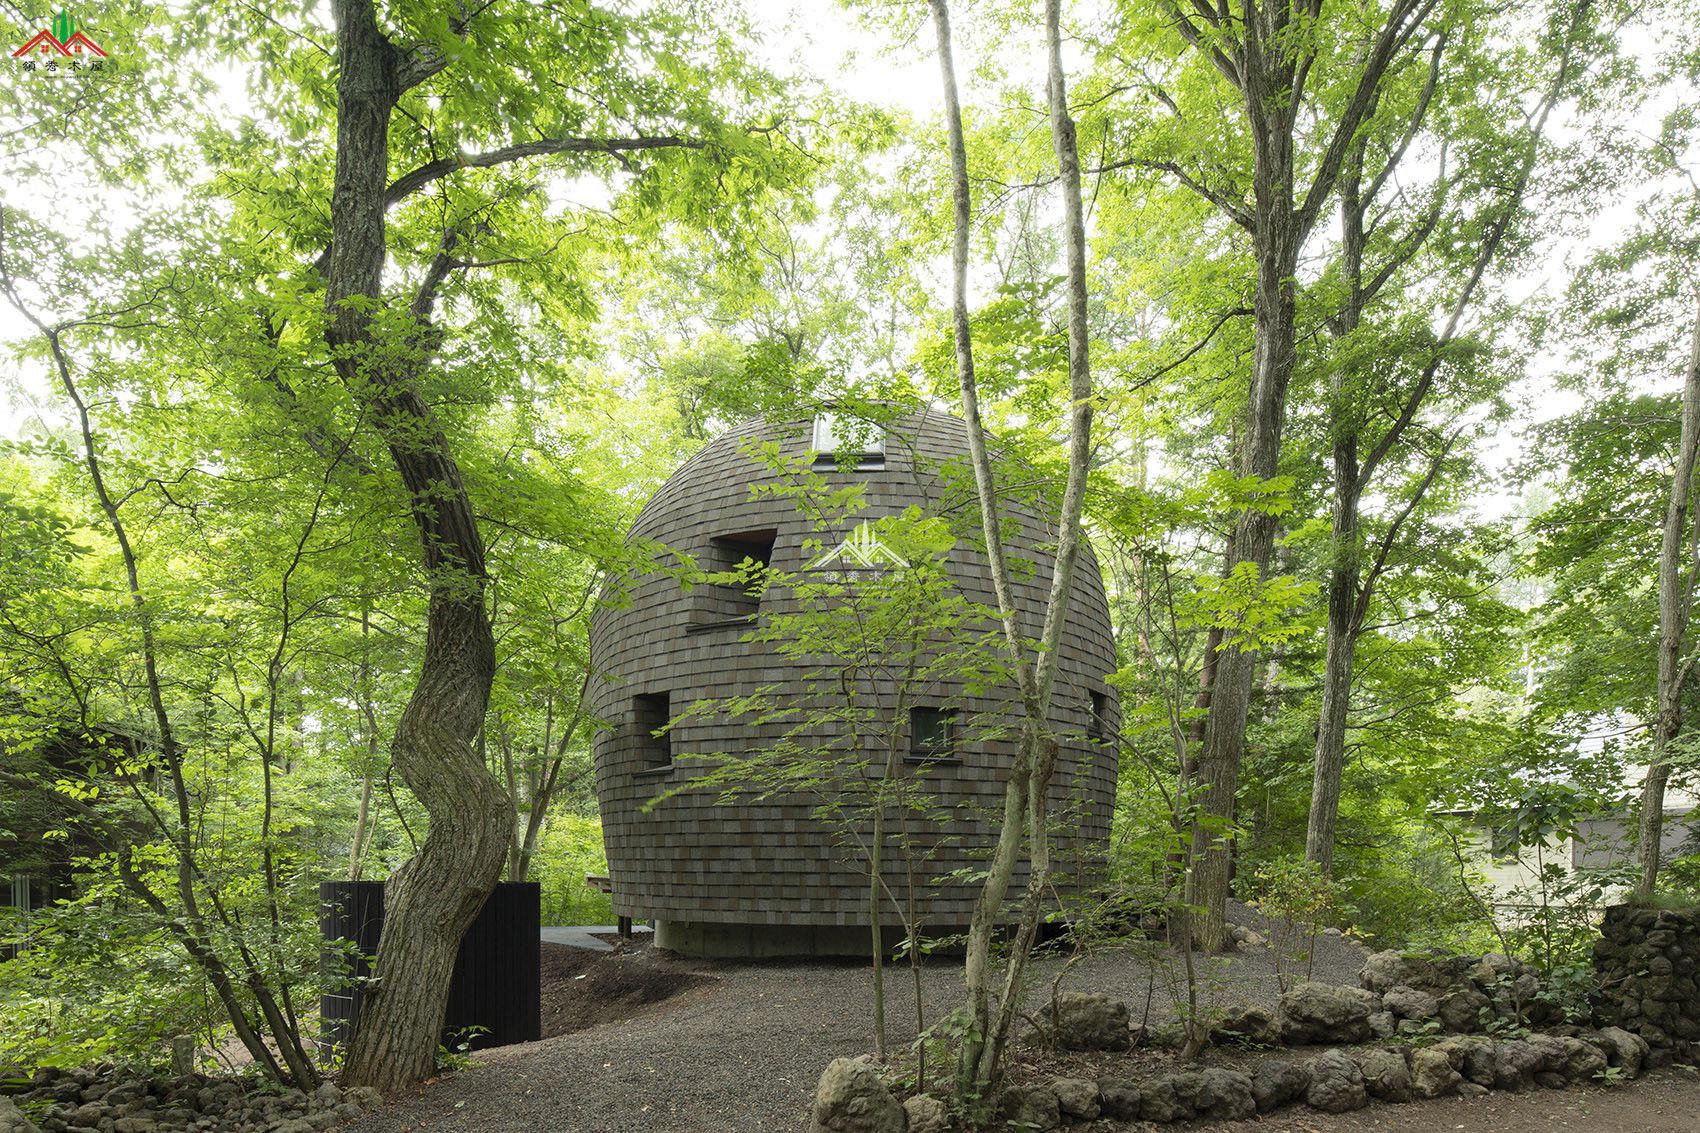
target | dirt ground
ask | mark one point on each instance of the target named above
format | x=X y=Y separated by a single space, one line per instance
x=645 y=1042
x=583 y=989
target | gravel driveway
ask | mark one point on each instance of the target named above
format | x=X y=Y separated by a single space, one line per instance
x=742 y=1054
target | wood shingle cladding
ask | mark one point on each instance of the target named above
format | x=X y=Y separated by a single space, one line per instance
x=693 y=858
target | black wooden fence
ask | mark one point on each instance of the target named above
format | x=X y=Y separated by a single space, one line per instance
x=496 y=977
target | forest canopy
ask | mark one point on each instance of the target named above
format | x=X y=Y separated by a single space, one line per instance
x=344 y=341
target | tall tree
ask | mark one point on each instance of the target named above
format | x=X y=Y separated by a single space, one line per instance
x=1679 y=569
x=1360 y=450
x=1305 y=87
x=432 y=900
x=383 y=344
x=1632 y=314
x=1024 y=818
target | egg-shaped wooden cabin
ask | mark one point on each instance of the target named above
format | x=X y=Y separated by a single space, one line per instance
x=767 y=876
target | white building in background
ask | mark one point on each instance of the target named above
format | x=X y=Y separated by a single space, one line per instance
x=1606 y=842
x=1600 y=843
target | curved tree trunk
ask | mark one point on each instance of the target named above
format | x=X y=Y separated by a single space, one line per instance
x=433 y=899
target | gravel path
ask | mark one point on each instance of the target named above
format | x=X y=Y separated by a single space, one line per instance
x=742 y=1055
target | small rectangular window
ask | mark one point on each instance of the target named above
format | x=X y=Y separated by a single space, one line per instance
x=651 y=712
x=728 y=603
x=755 y=547
x=843 y=441
x=1098 y=727
x=932 y=733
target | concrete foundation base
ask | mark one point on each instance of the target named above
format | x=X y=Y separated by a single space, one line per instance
x=712 y=941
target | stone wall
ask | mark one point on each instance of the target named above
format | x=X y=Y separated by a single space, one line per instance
x=1404 y=1034
x=112 y=1100
x=1644 y=964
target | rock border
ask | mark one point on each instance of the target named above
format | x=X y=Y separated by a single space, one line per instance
x=855 y=1098
x=112 y=1100
x=1410 y=1031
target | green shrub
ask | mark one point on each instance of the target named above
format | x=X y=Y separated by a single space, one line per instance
x=569 y=848
x=1299 y=902
x=94 y=984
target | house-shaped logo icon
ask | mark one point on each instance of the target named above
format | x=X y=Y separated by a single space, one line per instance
x=62 y=38
x=861 y=550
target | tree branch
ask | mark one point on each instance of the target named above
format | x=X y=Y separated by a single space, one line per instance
x=1190 y=32
x=1401 y=22
x=1361 y=608
x=1236 y=210
x=410 y=183
x=1418 y=114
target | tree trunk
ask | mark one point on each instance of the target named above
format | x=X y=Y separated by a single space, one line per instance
x=1265 y=52
x=1676 y=595
x=548 y=783
x=1277 y=240
x=977 y=957
x=434 y=897
x=362 y=819
x=1349 y=587
x=980 y=1062
x=1201 y=702
x=1341 y=652
x=1338 y=662
x=363 y=699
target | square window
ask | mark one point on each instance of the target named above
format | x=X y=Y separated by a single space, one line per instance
x=843 y=441
x=932 y=733
x=651 y=712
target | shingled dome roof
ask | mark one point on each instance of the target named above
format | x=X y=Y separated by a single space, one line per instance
x=766 y=877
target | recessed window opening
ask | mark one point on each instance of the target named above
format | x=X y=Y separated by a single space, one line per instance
x=651 y=712
x=749 y=553
x=932 y=733
x=730 y=551
x=839 y=440
x=1098 y=727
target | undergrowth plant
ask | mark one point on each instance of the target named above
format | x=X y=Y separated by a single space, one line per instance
x=1299 y=901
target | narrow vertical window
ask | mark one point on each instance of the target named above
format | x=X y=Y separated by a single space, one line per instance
x=651 y=712
x=1098 y=727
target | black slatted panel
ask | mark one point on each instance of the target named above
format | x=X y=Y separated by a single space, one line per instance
x=496 y=976
x=351 y=911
